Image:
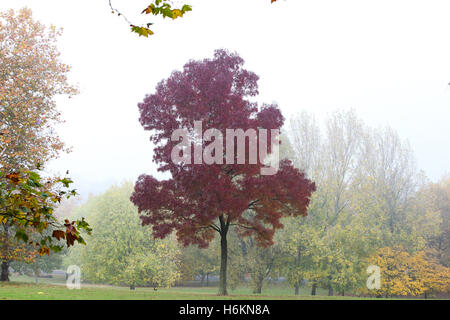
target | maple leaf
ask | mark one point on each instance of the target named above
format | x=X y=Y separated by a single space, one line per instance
x=142 y=31
x=14 y=178
x=58 y=234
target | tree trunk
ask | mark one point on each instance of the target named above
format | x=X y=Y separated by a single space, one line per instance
x=5 y=263
x=330 y=287
x=207 y=279
x=223 y=264
x=343 y=293
x=258 y=287
x=297 y=262
x=5 y=271
x=37 y=273
x=202 y=281
x=313 y=290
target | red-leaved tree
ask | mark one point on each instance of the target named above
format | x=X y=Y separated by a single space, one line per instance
x=202 y=199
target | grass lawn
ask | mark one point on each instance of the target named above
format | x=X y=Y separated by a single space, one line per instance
x=23 y=287
x=29 y=291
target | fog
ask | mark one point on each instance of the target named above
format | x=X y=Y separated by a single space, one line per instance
x=388 y=60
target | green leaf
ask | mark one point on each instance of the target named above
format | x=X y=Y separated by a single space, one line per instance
x=186 y=8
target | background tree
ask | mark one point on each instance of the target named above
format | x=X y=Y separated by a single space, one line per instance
x=252 y=264
x=329 y=160
x=369 y=195
x=199 y=262
x=38 y=264
x=392 y=177
x=120 y=250
x=433 y=199
x=201 y=199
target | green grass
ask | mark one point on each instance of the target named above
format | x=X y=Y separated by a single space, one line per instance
x=24 y=287
x=29 y=291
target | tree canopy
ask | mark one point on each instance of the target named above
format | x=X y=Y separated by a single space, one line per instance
x=202 y=199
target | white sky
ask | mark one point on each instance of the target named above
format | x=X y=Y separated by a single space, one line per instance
x=387 y=59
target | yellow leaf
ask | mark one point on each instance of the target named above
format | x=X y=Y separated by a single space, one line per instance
x=147 y=10
x=176 y=13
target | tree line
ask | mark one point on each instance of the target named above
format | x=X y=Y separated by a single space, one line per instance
x=372 y=207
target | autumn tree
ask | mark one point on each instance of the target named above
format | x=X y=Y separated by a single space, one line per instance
x=27 y=202
x=405 y=274
x=202 y=199
x=31 y=76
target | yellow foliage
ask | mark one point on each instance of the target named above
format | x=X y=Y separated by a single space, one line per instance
x=403 y=274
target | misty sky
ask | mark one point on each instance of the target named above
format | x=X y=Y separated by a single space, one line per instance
x=387 y=59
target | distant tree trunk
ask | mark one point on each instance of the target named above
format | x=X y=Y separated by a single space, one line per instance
x=330 y=287
x=202 y=280
x=313 y=290
x=223 y=256
x=426 y=295
x=207 y=279
x=258 y=285
x=343 y=293
x=5 y=271
x=36 y=274
x=5 y=263
x=297 y=262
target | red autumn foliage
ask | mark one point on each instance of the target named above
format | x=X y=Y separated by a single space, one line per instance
x=200 y=199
